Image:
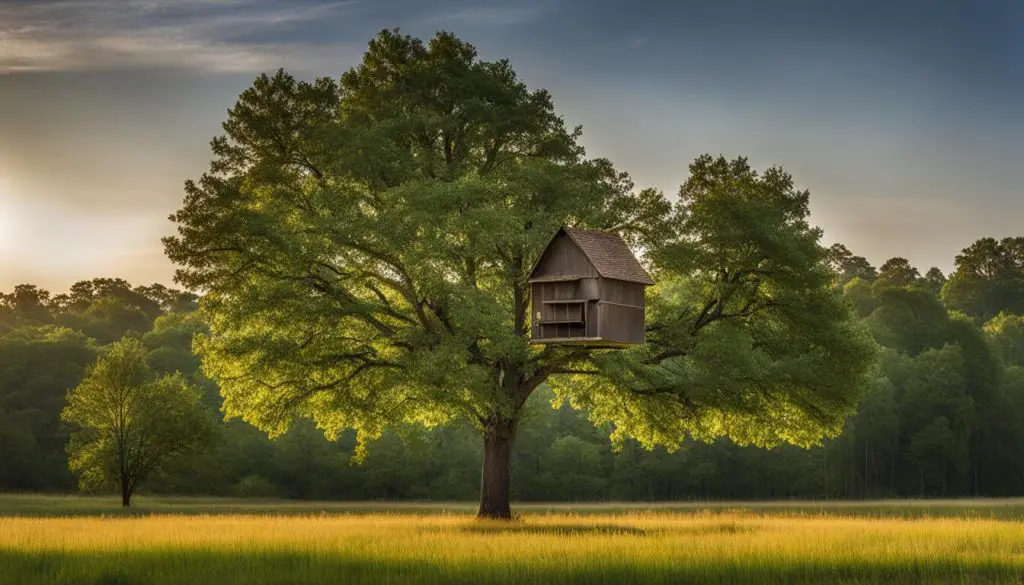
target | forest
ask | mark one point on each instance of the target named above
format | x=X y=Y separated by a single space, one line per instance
x=944 y=416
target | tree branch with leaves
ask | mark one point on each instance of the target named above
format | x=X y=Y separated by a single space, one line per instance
x=390 y=284
x=130 y=421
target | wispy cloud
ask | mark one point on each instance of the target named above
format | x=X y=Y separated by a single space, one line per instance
x=221 y=35
x=194 y=34
x=485 y=16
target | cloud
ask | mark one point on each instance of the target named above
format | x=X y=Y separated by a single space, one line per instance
x=220 y=35
x=485 y=16
x=52 y=35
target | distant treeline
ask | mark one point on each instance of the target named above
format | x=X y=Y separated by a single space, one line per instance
x=945 y=416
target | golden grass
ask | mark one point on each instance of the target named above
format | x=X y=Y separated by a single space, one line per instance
x=76 y=505
x=633 y=547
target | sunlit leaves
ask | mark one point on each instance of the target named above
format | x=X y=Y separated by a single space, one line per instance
x=129 y=421
x=746 y=336
x=364 y=248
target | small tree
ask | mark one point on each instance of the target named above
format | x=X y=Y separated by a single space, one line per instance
x=131 y=421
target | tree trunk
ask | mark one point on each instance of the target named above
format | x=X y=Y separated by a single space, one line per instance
x=126 y=494
x=867 y=468
x=825 y=473
x=495 y=479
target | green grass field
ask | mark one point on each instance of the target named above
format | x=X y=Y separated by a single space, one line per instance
x=79 y=540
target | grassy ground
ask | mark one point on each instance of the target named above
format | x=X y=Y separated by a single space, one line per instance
x=48 y=505
x=87 y=540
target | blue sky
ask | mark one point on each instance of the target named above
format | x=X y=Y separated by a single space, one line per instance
x=903 y=118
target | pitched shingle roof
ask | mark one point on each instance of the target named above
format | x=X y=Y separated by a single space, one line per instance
x=610 y=255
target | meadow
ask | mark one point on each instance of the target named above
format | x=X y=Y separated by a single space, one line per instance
x=80 y=540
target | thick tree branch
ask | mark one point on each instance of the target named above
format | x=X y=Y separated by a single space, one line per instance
x=541 y=374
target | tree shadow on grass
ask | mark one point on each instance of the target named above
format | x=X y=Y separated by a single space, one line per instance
x=54 y=506
x=609 y=529
x=204 y=567
x=557 y=529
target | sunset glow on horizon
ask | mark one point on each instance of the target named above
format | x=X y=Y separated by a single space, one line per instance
x=10 y=232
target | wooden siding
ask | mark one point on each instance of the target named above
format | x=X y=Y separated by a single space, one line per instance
x=560 y=311
x=557 y=311
x=622 y=292
x=620 y=323
x=564 y=258
x=593 y=320
x=620 y=312
x=570 y=303
x=589 y=288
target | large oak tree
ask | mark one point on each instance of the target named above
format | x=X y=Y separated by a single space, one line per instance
x=363 y=248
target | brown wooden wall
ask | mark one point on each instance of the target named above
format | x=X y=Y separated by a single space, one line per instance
x=602 y=308
x=622 y=292
x=620 y=313
x=620 y=323
x=564 y=258
x=607 y=309
x=557 y=317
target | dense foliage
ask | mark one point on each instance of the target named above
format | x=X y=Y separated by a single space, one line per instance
x=364 y=244
x=364 y=247
x=131 y=422
x=944 y=416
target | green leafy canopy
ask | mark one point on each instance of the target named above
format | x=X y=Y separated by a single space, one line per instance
x=363 y=247
x=130 y=421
